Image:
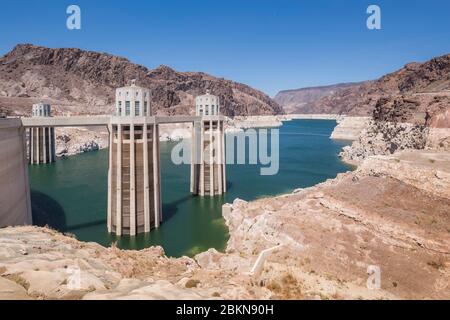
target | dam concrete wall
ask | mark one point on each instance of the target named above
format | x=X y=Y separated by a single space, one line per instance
x=15 y=204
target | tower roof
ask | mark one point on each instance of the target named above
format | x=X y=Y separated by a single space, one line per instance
x=132 y=85
x=207 y=97
x=133 y=100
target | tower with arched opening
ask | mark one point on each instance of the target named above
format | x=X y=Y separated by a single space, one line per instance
x=208 y=169
x=41 y=148
x=134 y=196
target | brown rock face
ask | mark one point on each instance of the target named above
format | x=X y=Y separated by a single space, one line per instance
x=432 y=109
x=395 y=109
x=438 y=112
x=83 y=82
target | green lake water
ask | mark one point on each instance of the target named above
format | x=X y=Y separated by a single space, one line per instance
x=70 y=195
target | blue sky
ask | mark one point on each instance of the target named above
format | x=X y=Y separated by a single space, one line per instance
x=269 y=44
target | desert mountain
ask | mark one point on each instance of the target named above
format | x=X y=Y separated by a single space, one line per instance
x=412 y=88
x=83 y=82
x=302 y=100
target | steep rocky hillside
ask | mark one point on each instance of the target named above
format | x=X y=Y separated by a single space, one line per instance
x=431 y=78
x=411 y=88
x=302 y=100
x=80 y=81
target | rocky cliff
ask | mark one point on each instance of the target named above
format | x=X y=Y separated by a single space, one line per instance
x=83 y=82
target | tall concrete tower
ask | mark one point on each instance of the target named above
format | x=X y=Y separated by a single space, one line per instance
x=134 y=195
x=208 y=169
x=41 y=139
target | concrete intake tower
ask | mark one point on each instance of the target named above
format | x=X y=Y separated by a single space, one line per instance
x=208 y=168
x=41 y=139
x=134 y=195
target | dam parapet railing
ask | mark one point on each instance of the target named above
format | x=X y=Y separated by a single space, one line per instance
x=86 y=121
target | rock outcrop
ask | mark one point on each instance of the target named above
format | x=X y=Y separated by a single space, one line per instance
x=83 y=82
x=349 y=128
x=385 y=138
x=438 y=139
x=415 y=121
x=431 y=109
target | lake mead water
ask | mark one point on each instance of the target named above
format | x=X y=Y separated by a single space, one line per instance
x=71 y=195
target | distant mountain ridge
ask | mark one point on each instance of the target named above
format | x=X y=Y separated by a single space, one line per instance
x=413 y=81
x=301 y=100
x=83 y=82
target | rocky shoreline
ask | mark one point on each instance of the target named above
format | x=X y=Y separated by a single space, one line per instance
x=320 y=243
x=73 y=141
x=386 y=138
